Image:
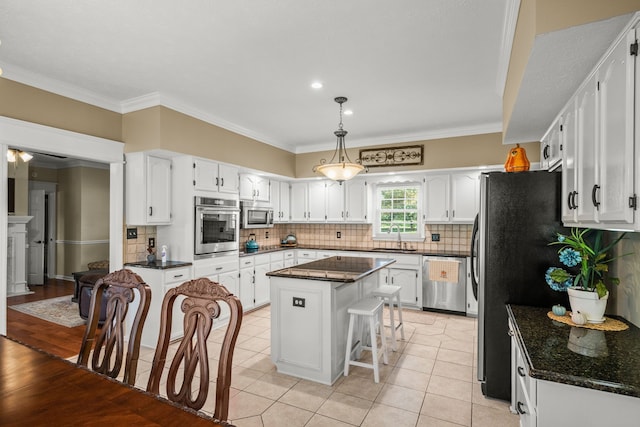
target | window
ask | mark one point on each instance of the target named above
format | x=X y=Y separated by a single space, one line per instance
x=398 y=210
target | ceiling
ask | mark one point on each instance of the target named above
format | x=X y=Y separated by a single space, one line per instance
x=428 y=69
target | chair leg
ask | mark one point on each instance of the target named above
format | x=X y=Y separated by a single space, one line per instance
x=347 y=357
x=394 y=345
x=374 y=348
x=400 y=322
x=383 y=343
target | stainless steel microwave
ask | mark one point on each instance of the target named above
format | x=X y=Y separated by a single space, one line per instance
x=253 y=215
x=216 y=230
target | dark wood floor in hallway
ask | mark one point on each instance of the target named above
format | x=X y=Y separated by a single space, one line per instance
x=50 y=337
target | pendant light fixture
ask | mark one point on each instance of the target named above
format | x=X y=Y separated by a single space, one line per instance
x=340 y=168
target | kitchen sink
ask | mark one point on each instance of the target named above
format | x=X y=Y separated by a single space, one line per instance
x=392 y=250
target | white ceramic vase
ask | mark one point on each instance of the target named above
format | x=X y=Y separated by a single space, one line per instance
x=588 y=303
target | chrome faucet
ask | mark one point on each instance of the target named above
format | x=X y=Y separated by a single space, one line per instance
x=399 y=235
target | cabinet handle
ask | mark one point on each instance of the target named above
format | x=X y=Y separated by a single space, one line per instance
x=521 y=371
x=177 y=276
x=453 y=213
x=222 y=182
x=510 y=333
x=446 y=213
x=594 y=196
x=519 y=407
x=218 y=268
x=150 y=210
x=217 y=182
x=545 y=152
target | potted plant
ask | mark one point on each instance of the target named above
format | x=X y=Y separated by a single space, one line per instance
x=585 y=252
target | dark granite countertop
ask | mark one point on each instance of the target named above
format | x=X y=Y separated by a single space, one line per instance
x=335 y=269
x=158 y=265
x=381 y=251
x=601 y=360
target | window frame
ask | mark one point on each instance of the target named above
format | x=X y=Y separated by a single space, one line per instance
x=377 y=234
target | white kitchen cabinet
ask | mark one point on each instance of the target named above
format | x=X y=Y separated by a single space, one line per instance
x=281 y=201
x=254 y=282
x=305 y=255
x=254 y=187
x=223 y=270
x=334 y=208
x=551 y=148
x=308 y=201
x=148 y=189
x=598 y=167
x=160 y=282
x=357 y=196
x=212 y=176
x=406 y=272
x=289 y=258
x=451 y=198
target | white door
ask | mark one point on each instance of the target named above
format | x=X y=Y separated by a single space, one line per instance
x=36 y=238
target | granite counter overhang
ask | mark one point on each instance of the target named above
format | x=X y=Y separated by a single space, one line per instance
x=549 y=358
x=158 y=265
x=389 y=251
x=335 y=269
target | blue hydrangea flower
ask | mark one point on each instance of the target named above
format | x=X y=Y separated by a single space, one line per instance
x=570 y=257
x=558 y=279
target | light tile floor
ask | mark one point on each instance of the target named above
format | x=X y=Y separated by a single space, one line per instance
x=429 y=381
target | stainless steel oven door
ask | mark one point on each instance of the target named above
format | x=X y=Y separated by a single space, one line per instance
x=216 y=231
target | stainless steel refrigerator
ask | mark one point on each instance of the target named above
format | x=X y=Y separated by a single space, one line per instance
x=519 y=215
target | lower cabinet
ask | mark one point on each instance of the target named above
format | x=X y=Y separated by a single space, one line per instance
x=542 y=403
x=254 y=282
x=406 y=272
x=160 y=282
x=223 y=270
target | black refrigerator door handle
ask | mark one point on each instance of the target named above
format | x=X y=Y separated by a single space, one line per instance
x=474 y=282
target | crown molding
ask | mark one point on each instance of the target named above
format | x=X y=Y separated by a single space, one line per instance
x=508 y=33
x=413 y=137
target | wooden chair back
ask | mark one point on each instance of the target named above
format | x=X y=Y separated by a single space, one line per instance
x=108 y=346
x=200 y=307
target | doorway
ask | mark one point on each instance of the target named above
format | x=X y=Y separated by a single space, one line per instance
x=42 y=232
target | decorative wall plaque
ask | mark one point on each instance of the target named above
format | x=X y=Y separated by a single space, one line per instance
x=392 y=156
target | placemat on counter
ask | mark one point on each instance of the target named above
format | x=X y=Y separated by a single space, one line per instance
x=608 y=324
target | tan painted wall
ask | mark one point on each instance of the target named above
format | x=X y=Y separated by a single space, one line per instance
x=464 y=151
x=543 y=16
x=161 y=127
x=82 y=215
x=34 y=105
x=37 y=173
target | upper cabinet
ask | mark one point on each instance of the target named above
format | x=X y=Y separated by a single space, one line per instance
x=356 y=200
x=551 y=148
x=281 y=201
x=330 y=201
x=308 y=201
x=254 y=187
x=598 y=136
x=213 y=176
x=451 y=198
x=148 y=189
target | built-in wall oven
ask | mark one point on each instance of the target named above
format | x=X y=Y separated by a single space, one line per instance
x=217 y=223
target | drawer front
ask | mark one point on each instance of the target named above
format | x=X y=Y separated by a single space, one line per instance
x=212 y=267
x=276 y=257
x=289 y=255
x=177 y=275
x=261 y=259
x=247 y=261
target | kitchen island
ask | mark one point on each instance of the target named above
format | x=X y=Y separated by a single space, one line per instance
x=309 y=318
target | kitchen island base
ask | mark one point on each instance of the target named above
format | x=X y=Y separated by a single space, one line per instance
x=309 y=324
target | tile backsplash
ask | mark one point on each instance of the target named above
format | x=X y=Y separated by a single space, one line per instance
x=453 y=237
x=136 y=249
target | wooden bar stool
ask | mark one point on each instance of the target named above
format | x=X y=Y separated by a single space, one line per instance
x=369 y=309
x=387 y=293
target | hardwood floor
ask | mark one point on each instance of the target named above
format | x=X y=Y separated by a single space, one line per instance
x=50 y=337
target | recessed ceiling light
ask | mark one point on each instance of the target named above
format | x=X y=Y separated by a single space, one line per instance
x=316 y=85
x=348 y=112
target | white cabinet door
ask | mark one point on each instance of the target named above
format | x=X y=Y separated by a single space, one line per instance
x=299 y=201
x=408 y=280
x=158 y=190
x=285 y=202
x=247 y=288
x=254 y=187
x=580 y=126
x=465 y=192
x=228 y=179
x=316 y=201
x=356 y=199
x=205 y=175
x=436 y=188
x=335 y=201
x=616 y=154
x=262 y=288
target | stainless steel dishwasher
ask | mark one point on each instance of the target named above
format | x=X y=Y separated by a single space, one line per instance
x=442 y=287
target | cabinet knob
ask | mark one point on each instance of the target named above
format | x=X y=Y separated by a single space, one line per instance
x=521 y=371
